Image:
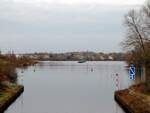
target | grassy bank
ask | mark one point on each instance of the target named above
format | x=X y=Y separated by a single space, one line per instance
x=134 y=99
x=9 y=89
x=9 y=95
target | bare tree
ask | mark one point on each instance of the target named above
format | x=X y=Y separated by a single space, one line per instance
x=135 y=35
x=137 y=39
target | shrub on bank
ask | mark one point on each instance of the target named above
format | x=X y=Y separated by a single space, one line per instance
x=7 y=73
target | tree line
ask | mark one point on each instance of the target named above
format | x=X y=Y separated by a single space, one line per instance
x=137 y=41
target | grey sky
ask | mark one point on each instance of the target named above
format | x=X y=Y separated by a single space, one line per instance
x=56 y=27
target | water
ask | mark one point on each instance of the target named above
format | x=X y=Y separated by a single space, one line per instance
x=70 y=87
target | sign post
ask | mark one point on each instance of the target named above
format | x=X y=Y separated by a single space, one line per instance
x=132 y=72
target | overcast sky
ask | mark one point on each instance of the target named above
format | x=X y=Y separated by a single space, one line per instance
x=63 y=25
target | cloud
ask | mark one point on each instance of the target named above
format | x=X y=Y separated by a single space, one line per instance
x=70 y=2
x=61 y=27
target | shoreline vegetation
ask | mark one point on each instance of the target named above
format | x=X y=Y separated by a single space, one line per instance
x=10 y=90
x=136 y=99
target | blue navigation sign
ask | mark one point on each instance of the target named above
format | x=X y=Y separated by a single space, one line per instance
x=132 y=72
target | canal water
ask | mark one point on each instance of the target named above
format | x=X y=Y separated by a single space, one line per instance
x=71 y=87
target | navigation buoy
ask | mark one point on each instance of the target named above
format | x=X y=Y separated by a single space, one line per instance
x=117 y=81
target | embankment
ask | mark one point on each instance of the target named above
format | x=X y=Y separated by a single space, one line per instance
x=8 y=96
x=133 y=101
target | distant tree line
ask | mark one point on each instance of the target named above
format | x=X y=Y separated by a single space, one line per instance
x=75 y=56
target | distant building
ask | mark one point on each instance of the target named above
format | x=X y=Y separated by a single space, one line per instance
x=110 y=58
x=102 y=58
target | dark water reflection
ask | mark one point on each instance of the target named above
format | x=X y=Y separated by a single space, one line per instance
x=70 y=87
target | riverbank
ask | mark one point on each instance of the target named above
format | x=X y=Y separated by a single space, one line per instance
x=26 y=63
x=134 y=99
x=9 y=95
x=17 y=62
